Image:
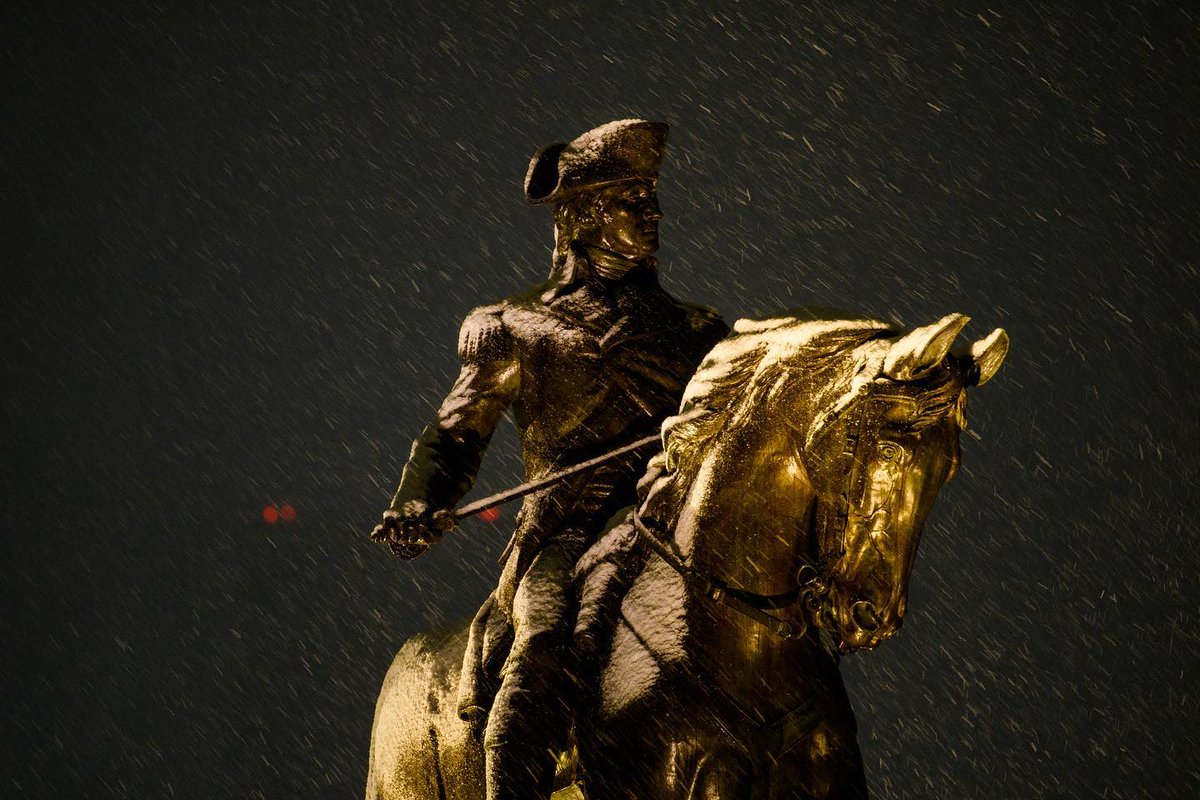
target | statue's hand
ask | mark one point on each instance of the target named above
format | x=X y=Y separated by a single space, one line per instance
x=412 y=529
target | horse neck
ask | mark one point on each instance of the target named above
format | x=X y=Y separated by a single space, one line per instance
x=746 y=516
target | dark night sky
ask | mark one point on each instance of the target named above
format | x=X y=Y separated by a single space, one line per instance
x=238 y=243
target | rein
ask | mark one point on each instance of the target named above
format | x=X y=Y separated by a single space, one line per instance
x=752 y=606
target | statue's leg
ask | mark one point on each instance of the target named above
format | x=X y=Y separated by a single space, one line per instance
x=531 y=713
x=474 y=692
x=599 y=604
x=603 y=576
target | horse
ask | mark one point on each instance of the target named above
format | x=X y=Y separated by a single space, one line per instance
x=779 y=533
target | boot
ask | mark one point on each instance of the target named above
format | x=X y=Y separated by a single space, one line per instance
x=599 y=604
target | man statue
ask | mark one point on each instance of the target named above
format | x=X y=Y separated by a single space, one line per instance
x=591 y=360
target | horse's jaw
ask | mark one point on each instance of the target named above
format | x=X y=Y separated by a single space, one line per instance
x=868 y=593
x=746 y=521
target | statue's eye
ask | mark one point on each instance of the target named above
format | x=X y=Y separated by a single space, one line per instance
x=889 y=451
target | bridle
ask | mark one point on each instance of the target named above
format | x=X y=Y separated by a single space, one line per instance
x=813 y=579
x=755 y=607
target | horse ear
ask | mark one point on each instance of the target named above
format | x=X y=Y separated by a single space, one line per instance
x=923 y=348
x=985 y=357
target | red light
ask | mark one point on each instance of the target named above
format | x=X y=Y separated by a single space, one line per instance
x=270 y=515
x=490 y=514
x=287 y=513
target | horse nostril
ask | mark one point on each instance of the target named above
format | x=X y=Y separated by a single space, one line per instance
x=864 y=615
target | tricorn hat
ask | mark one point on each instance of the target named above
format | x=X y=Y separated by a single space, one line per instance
x=618 y=152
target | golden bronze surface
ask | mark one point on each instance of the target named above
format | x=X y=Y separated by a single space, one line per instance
x=779 y=527
x=591 y=360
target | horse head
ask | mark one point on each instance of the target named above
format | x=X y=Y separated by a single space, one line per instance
x=876 y=457
x=807 y=453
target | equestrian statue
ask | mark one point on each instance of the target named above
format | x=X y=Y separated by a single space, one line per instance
x=667 y=624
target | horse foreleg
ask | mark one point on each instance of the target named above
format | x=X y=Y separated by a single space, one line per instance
x=626 y=770
x=827 y=765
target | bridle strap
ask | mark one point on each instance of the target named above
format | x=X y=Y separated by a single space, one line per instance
x=747 y=604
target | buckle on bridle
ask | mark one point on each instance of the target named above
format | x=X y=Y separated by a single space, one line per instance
x=785 y=630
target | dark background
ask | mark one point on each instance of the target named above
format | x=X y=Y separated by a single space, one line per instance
x=238 y=242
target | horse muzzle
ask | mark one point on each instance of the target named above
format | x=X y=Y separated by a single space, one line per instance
x=856 y=624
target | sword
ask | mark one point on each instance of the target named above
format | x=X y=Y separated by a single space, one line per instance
x=532 y=486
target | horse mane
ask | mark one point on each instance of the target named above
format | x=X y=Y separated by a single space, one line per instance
x=750 y=367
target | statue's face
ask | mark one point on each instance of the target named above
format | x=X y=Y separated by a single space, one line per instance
x=629 y=220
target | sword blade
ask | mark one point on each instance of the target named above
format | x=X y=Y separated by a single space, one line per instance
x=532 y=486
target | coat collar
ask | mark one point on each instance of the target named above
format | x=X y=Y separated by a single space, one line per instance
x=581 y=266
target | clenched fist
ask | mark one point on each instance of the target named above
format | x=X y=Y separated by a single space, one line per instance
x=412 y=529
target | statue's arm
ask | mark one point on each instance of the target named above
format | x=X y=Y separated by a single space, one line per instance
x=446 y=456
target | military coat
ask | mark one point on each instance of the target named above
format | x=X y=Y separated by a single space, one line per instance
x=583 y=369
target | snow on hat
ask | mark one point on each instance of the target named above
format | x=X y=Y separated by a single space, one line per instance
x=617 y=152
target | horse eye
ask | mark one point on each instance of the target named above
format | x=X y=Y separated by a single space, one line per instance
x=888 y=451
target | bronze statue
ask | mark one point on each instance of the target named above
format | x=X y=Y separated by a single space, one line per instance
x=779 y=525
x=593 y=359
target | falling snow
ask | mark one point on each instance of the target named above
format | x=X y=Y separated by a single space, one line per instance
x=240 y=243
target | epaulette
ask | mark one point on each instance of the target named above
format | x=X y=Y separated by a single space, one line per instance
x=483 y=335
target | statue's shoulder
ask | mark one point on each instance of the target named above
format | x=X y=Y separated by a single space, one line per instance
x=490 y=331
x=483 y=335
